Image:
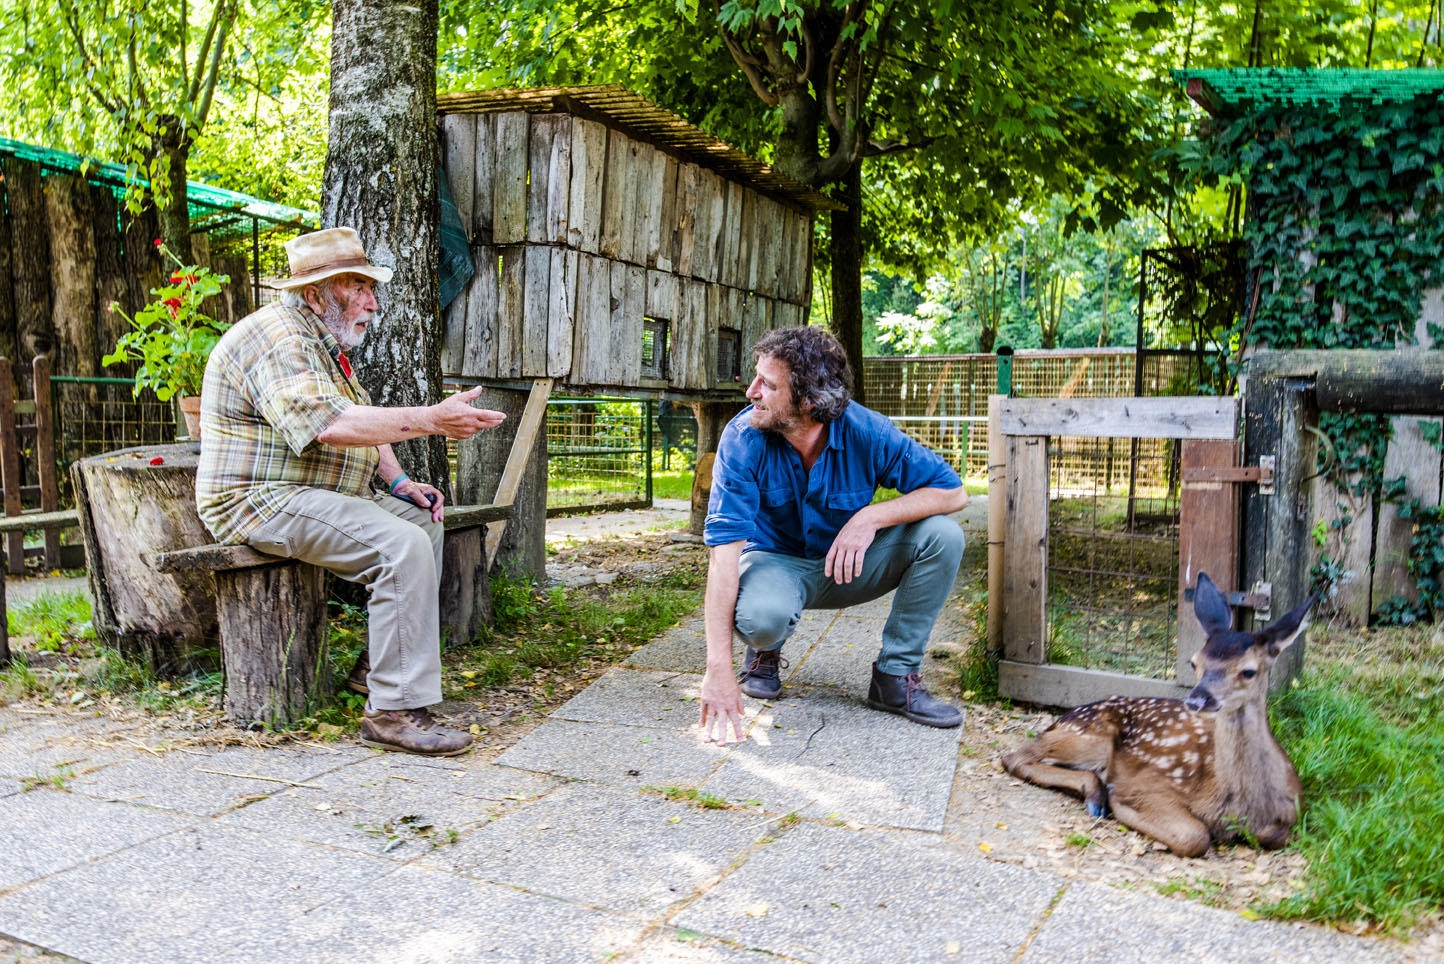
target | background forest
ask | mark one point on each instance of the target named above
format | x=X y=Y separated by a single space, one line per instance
x=1010 y=159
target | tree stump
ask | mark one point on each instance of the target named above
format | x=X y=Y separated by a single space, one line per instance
x=130 y=512
x=274 y=643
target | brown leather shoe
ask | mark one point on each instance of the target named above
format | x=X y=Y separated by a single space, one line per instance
x=411 y=731
x=356 y=679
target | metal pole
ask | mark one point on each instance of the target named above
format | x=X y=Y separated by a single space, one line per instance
x=255 y=263
x=648 y=456
x=1005 y=370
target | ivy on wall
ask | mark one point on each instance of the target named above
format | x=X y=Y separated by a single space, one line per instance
x=1345 y=232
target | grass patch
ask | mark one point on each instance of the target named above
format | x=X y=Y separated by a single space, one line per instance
x=1367 y=737
x=51 y=618
x=553 y=629
x=1201 y=889
x=672 y=484
x=692 y=795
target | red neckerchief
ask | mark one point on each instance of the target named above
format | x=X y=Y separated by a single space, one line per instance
x=345 y=363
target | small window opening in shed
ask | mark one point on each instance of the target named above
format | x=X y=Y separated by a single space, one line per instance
x=729 y=355
x=654 y=348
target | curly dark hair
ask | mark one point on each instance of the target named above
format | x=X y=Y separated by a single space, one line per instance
x=818 y=371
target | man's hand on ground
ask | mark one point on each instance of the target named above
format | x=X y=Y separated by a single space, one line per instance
x=845 y=555
x=721 y=703
x=455 y=417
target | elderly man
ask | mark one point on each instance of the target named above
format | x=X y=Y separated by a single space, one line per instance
x=792 y=526
x=292 y=445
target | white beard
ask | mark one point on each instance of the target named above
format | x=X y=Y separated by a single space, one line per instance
x=345 y=331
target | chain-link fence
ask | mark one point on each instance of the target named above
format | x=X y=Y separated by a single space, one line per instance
x=95 y=415
x=599 y=453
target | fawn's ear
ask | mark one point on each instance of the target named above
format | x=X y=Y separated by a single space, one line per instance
x=1210 y=607
x=1280 y=634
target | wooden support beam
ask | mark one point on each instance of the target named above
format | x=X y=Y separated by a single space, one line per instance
x=1406 y=381
x=1175 y=417
x=532 y=419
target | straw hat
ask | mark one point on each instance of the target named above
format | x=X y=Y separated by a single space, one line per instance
x=322 y=254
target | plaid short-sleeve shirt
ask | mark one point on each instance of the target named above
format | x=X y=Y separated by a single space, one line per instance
x=273 y=383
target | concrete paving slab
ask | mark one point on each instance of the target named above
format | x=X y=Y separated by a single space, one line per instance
x=683 y=648
x=429 y=918
x=635 y=853
x=460 y=775
x=49 y=746
x=621 y=756
x=1097 y=924
x=833 y=757
x=828 y=894
x=843 y=658
x=691 y=947
x=372 y=807
x=47 y=831
x=177 y=782
x=650 y=698
x=193 y=895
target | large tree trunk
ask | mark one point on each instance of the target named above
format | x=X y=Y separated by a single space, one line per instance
x=846 y=252
x=380 y=179
x=172 y=141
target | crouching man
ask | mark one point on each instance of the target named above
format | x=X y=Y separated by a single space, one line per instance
x=292 y=446
x=792 y=526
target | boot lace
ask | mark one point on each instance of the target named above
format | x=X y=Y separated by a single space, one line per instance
x=763 y=664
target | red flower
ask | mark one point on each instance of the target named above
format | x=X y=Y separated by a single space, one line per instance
x=158 y=242
x=174 y=304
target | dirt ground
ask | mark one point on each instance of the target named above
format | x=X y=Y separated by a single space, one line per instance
x=990 y=814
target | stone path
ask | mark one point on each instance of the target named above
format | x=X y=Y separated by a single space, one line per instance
x=611 y=832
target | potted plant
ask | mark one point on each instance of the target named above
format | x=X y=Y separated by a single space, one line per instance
x=172 y=337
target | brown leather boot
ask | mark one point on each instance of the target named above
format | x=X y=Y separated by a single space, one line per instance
x=356 y=679
x=411 y=731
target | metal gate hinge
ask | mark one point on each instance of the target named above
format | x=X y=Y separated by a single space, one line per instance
x=1263 y=474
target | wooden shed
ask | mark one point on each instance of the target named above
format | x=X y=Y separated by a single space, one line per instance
x=617 y=247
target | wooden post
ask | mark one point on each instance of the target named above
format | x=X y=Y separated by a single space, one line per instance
x=1025 y=576
x=10 y=466
x=1277 y=548
x=532 y=421
x=997 y=519
x=45 y=456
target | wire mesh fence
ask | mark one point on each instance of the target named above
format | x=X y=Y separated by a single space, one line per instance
x=599 y=453
x=1113 y=555
x=95 y=415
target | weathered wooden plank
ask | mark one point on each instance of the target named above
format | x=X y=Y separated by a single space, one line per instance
x=531 y=424
x=1177 y=417
x=1415 y=460
x=647 y=205
x=509 y=199
x=534 y=314
x=1025 y=563
x=685 y=244
x=786 y=229
x=539 y=163
x=588 y=170
x=616 y=199
x=754 y=318
x=1056 y=685
x=1394 y=382
x=773 y=251
x=713 y=199
x=483 y=183
x=667 y=217
x=1207 y=539
x=1348 y=520
x=997 y=520
x=458 y=144
x=511 y=303
x=662 y=298
x=592 y=336
x=634 y=302
x=10 y=478
x=681 y=347
x=561 y=315
x=478 y=357
x=756 y=241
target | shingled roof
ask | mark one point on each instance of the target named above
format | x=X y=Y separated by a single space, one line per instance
x=634 y=115
x=1226 y=93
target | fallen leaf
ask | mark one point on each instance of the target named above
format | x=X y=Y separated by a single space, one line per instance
x=1001 y=826
x=985 y=848
x=475 y=729
x=674 y=819
x=952 y=947
x=757 y=910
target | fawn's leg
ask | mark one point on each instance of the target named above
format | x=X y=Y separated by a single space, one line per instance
x=1166 y=820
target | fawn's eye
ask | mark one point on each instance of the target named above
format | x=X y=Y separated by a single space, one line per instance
x=1247 y=673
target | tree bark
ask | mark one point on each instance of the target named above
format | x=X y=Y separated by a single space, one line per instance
x=380 y=179
x=30 y=267
x=172 y=140
x=846 y=253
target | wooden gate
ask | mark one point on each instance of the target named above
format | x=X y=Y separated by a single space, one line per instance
x=1207 y=428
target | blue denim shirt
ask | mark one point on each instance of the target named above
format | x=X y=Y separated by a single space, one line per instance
x=761 y=493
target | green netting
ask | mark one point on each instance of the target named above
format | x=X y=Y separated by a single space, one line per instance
x=206 y=202
x=1231 y=90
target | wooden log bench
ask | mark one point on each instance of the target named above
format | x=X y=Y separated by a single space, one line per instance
x=272 y=615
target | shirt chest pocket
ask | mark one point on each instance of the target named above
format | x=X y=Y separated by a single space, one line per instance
x=776 y=498
x=849 y=501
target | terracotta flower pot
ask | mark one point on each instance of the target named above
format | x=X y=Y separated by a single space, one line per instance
x=190 y=406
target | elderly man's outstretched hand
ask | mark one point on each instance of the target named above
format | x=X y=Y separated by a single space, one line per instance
x=455 y=416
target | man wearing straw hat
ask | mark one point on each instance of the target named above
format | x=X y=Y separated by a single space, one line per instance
x=292 y=445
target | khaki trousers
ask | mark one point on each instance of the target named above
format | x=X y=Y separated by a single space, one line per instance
x=391 y=547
